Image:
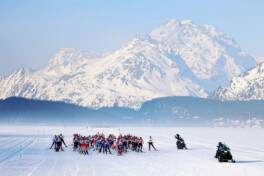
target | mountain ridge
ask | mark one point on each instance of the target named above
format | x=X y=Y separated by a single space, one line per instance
x=248 y=86
x=176 y=59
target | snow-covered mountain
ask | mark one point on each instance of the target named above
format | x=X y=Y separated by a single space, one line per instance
x=176 y=59
x=249 y=86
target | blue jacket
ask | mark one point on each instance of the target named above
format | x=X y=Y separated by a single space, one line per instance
x=222 y=148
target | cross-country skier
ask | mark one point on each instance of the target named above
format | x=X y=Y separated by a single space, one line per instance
x=107 y=147
x=135 y=143
x=59 y=144
x=62 y=140
x=54 y=142
x=119 y=147
x=102 y=145
x=140 y=144
x=86 y=145
x=129 y=142
x=75 y=142
x=82 y=145
x=124 y=144
x=151 y=143
x=90 y=138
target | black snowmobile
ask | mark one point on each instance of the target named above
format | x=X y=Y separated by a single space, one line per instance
x=180 y=142
x=223 y=153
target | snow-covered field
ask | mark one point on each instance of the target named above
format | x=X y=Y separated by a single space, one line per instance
x=247 y=148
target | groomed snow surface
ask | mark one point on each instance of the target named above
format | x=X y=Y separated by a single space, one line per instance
x=247 y=148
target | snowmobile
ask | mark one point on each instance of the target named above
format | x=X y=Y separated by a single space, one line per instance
x=224 y=155
x=181 y=144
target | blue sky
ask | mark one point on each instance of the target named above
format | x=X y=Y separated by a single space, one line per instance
x=31 y=31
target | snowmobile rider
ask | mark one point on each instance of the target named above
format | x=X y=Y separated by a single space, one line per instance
x=220 y=148
x=223 y=153
x=179 y=138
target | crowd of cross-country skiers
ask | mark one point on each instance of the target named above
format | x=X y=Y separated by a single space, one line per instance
x=124 y=143
x=103 y=144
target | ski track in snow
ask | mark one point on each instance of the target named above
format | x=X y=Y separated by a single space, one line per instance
x=247 y=148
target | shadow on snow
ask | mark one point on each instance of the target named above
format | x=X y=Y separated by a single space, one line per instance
x=254 y=161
